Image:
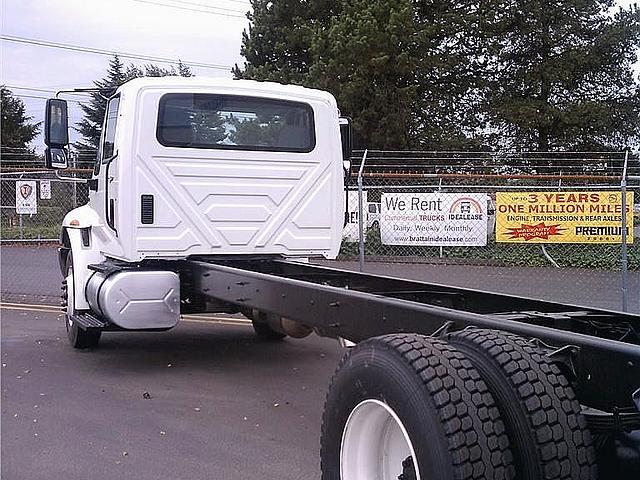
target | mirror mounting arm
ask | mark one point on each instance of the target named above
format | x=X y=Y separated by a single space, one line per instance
x=99 y=91
x=71 y=179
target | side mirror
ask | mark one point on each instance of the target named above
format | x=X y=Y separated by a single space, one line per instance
x=55 y=158
x=345 y=135
x=56 y=124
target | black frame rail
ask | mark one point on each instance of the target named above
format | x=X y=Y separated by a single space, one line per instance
x=596 y=347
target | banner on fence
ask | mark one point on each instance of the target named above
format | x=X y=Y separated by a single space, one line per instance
x=434 y=219
x=350 y=231
x=26 y=199
x=562 y=217
x=45 y=190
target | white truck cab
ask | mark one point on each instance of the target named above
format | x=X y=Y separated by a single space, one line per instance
x=194 y=167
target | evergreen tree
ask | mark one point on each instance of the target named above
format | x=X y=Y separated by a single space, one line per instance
x=405 y=71
x=459 y=74
x=90 y=126
x=451 y=50
x=17 y=131
x=561 y=75
x=208 y=127
x=277 y=46
x=263 y=130
x=367 y=59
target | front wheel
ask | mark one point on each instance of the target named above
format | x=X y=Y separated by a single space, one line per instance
x=411 y=407
x=78 y=337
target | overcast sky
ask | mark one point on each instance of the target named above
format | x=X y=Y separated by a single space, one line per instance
x=173 y=29
x=202 y=31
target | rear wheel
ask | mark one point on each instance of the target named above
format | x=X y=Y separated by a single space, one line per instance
x=263 y=330
x=78 y=337
x=410 y=407
x=548 y=434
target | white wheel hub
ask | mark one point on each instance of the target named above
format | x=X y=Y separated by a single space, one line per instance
x=375 y=444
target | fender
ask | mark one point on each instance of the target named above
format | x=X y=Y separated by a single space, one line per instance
x=81 y=237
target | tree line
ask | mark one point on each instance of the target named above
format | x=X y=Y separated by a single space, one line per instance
x=488 y=75
x=460 y=75
x=17 y=130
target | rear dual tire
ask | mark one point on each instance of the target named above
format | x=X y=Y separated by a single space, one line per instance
x=411 y=407
x=455 y=409
x=547 y=432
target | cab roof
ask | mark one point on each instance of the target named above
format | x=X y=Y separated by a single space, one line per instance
x=225 y=85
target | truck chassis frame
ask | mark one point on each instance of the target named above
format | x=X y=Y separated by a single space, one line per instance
x=593 y=347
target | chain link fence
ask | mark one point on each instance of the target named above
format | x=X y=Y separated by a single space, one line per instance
x=33 y=203
x=529 y=224
x=42 y=218
x=33 y=200
x=463 y=219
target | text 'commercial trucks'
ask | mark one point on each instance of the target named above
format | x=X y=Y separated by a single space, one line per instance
x=212 y=195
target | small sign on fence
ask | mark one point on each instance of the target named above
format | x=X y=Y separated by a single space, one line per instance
x=350 y=231
x=562 y=217
x=26 y=199
x=45 y=190
x=434 y=219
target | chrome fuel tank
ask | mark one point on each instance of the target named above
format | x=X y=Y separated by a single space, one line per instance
x=136 y=299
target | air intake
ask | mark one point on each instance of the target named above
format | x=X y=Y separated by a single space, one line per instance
x=146 y=209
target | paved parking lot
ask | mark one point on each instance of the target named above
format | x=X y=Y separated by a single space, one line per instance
x=203 y=401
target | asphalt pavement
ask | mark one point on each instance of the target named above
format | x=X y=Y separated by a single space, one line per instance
x=205 y=400
x=202 y=401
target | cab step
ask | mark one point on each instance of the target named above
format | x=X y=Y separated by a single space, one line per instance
x=88 y=321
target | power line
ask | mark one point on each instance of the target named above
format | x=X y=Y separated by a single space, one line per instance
x=204 y=5
x=241 y=2
x=196 y=4
x=98 y=51
x=209 y=8
x=21 y=95
x=34 y=89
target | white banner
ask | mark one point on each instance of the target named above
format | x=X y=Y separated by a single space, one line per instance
x=45 y=190
x=350 y=231
x=26 y=199
x=434 y=219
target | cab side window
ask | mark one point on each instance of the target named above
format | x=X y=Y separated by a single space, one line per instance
x=108 y=141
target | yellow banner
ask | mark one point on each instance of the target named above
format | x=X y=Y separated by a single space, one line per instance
x=562 y=217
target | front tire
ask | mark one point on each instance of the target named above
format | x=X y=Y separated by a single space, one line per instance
x=78 y=338
x=411 y=407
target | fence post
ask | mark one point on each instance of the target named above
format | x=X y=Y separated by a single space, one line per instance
x=624 y=254
x=360 y=213
x=74 y=158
